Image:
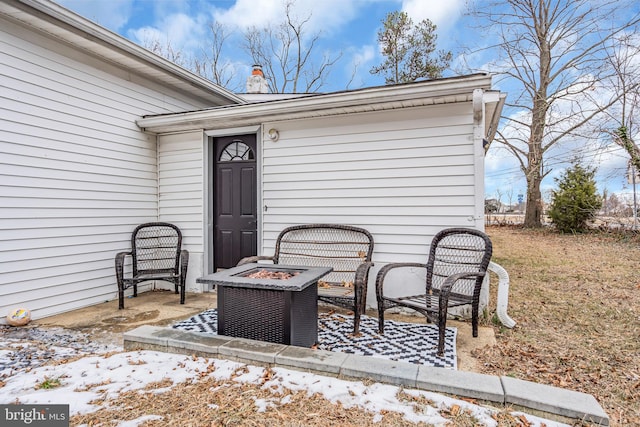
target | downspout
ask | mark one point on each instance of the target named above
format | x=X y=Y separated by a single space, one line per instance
x=479 y=153
x=503 y=295
x=157 y=176
x=480 y=145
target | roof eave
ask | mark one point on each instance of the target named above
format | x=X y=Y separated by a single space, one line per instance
x=449 y=90
x=90 y=37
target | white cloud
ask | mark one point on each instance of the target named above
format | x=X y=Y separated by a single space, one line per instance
x=442 y=13
x=113 y=14
x=323 y=16
x=247 y=13
x=184 y=33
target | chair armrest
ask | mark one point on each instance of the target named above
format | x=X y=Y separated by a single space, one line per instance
x=388 y=267
x=120 y=258
x=251 y=259
x=362 y=272
x=451 y=281
x=360 y=284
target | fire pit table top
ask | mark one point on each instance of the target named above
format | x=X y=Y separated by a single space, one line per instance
x=301 y=277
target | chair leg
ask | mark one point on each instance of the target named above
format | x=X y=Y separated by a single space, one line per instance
x=380 y=318
x=184 y=263
x=135 y=290
x=474 y=321
x=442 y=323
x=120 y=298
x=356 y=321
x=119 y=264
x=357 y=309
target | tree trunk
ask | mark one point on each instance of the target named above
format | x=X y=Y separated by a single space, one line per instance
x=534 y=172
x=533 y=212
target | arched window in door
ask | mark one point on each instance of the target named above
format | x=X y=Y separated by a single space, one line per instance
x=236 y=150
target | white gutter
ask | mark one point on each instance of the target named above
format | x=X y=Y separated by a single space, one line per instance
x=370 y=99
x=92 y=30
x=492 y=125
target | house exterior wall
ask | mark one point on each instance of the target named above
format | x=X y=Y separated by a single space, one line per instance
x=181 y=183
x=76 y=173
x=403 y=175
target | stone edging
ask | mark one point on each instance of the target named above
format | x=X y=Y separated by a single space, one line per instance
x=539 y=399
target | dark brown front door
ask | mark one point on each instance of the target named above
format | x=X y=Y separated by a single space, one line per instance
x=235 y=212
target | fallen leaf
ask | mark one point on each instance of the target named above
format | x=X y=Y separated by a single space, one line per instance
x=525 y=422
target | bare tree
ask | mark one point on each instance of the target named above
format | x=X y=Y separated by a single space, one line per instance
x=212 y=65
x=286 y=54
x=624 y=59
x=553 y=51
x=166 y=50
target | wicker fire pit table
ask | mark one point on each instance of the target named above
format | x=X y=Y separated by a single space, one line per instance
x=274 y=303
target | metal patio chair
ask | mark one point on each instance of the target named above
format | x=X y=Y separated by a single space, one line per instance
x=345 y=248
x=156 y=254
x=455 y=269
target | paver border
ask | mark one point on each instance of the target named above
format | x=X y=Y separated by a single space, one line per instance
x=547 y=401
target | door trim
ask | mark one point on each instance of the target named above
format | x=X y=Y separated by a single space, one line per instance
x=208 y=169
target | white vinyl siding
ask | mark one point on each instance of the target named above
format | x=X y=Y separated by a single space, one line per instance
x=76 y=173
x=402 y=175
x=181 y=194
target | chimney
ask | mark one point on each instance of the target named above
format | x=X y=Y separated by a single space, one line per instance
x=256 y=83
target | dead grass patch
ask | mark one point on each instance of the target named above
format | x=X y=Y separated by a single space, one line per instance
x=208 y=402
x=576 y=300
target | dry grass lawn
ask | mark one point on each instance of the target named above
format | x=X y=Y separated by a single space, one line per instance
x=576 y=300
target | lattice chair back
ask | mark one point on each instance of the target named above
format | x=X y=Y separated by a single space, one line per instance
x=342 y=247
x=156 y=248
x=458 y=250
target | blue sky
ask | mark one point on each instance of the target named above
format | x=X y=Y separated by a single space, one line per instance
x=347 y=26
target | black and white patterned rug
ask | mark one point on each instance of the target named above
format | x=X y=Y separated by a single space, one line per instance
x=406 y=342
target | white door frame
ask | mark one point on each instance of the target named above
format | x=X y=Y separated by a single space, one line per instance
x=208 y=171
